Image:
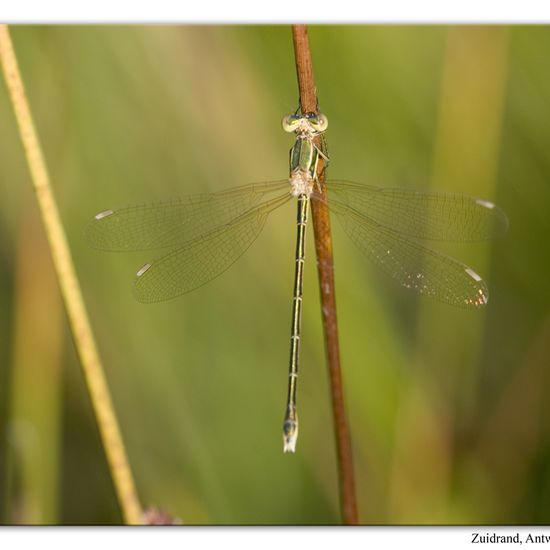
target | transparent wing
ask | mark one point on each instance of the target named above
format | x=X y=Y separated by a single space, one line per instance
x=169 y=224
x=411 y=264
x=424 y=215
x=198 y=261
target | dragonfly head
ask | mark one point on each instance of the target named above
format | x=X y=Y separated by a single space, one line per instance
x=307 y=125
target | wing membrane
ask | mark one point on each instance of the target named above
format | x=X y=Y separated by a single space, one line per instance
x=168 y=224
x=198 y=261
x=423 y=215
x=412 y=265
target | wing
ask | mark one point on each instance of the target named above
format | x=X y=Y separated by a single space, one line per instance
x=423 y=215
x=411 y=264
x=168 y=224
x=200 y=260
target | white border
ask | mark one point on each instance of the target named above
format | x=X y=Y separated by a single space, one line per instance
x=278 y=11
x=266 y=538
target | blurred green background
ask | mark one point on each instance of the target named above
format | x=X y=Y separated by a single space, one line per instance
x=448 y=407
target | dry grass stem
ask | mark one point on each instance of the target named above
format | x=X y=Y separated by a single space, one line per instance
x=70 y=290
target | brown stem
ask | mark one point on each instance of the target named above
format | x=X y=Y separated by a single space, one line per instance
x=325 y=268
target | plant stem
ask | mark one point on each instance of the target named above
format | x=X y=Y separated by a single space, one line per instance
x=325 y=268
x=70 y=290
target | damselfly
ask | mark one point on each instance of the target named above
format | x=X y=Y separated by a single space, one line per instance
x=203 y=235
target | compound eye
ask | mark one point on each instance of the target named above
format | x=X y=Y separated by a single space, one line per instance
x=290 y=123
x=321 y=124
